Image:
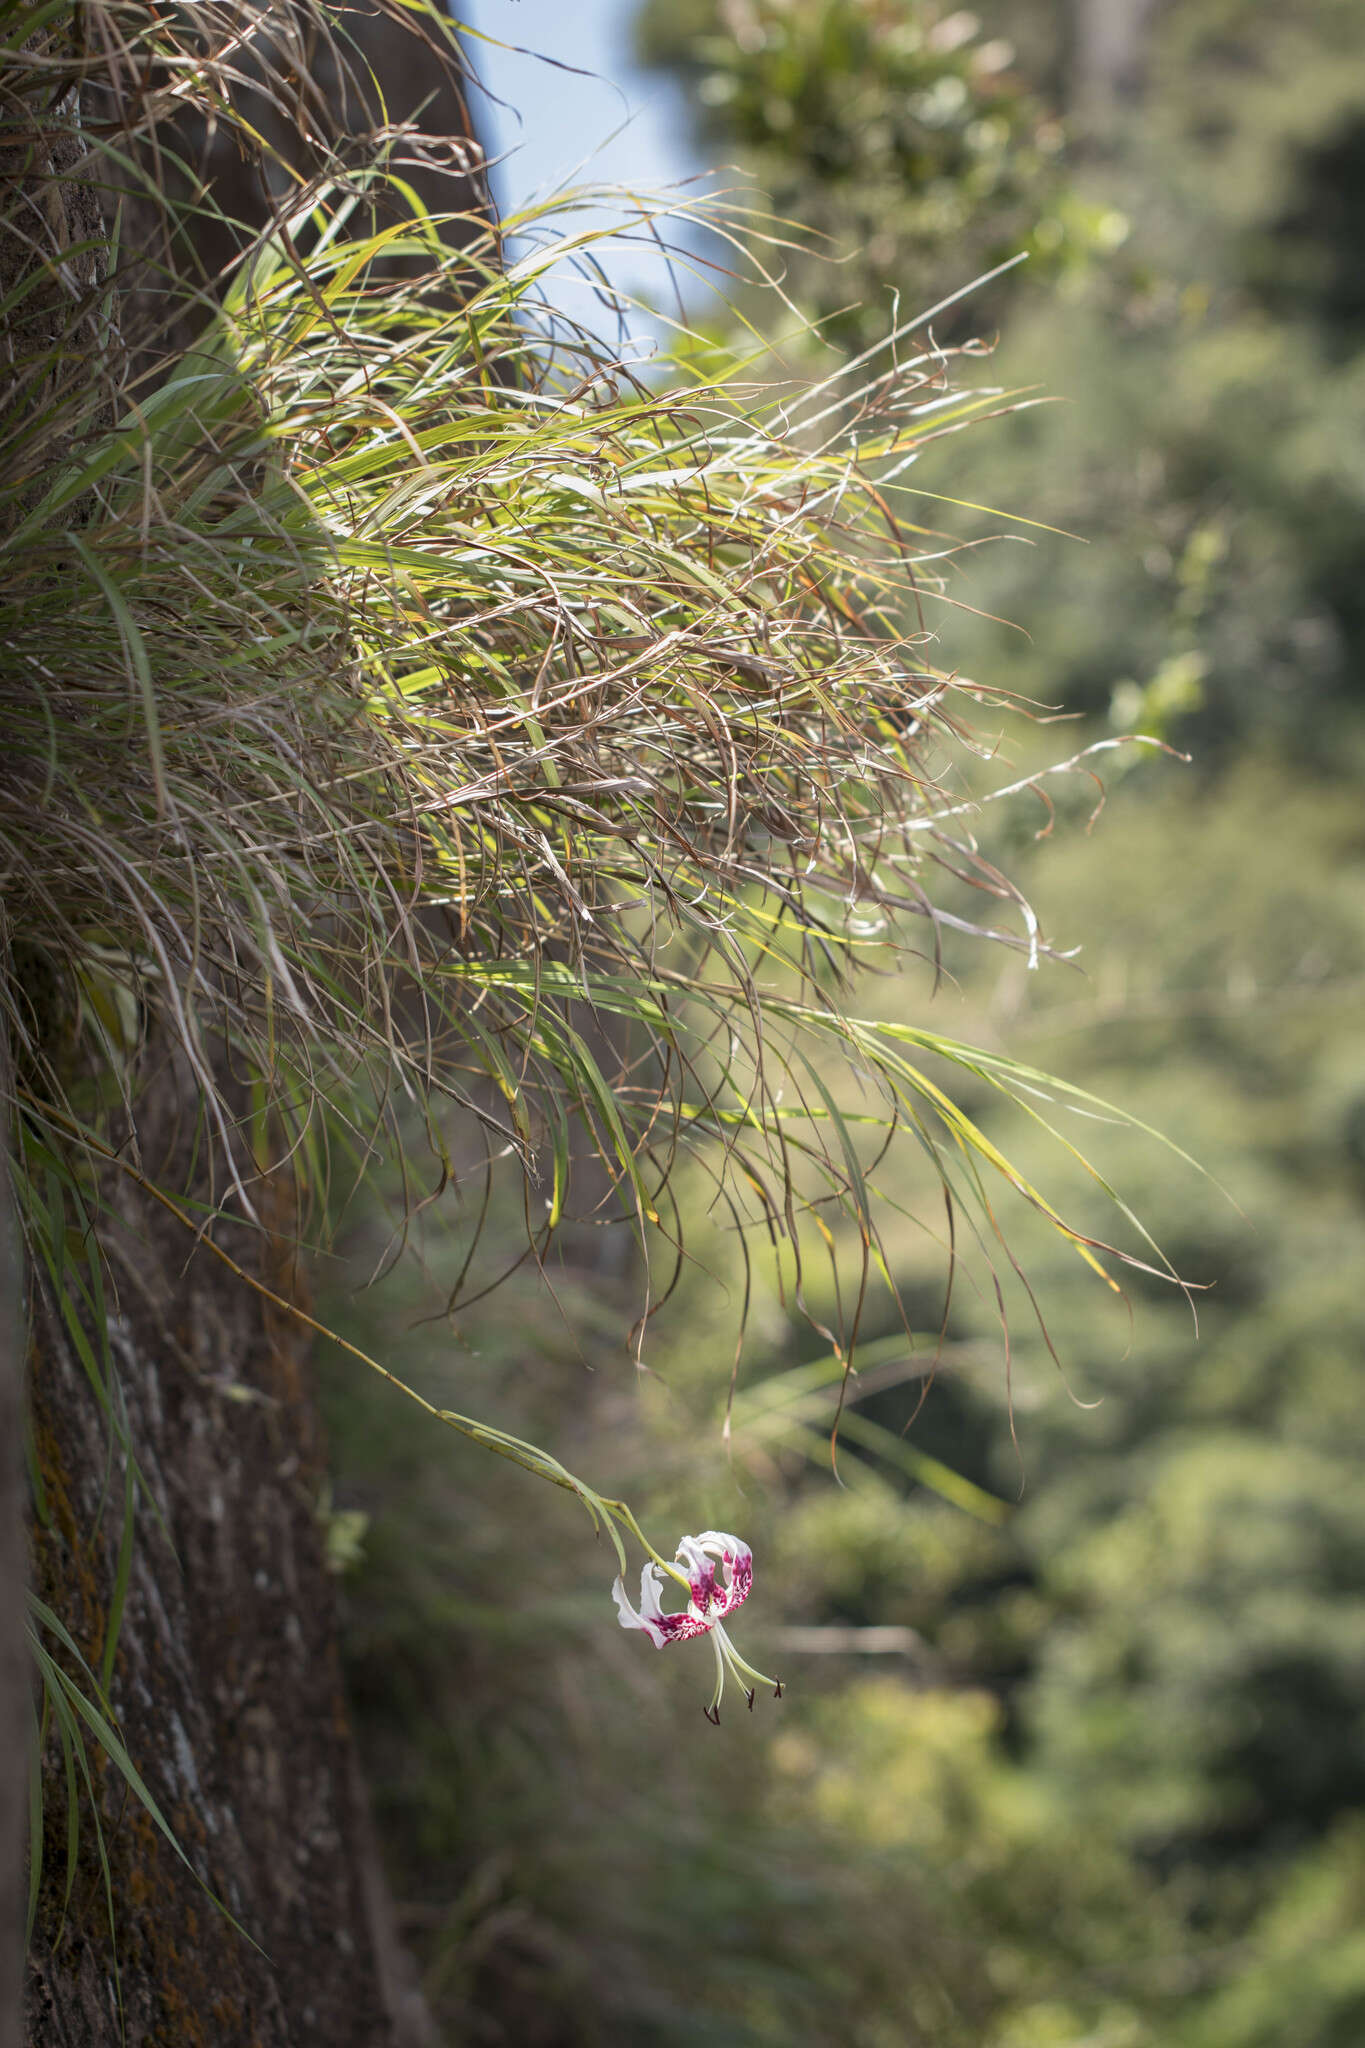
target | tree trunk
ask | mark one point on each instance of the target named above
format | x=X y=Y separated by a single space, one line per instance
x=1110 y=47
x=14 y=1714
x=226 y=1678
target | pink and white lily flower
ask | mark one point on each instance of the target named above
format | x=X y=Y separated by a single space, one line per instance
x=717 y=1571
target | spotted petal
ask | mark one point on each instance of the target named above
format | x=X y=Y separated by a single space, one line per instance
x=734 y=1559
x=661 y=1628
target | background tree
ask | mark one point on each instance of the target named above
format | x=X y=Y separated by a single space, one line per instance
x=902 y=146
x=1222 y=527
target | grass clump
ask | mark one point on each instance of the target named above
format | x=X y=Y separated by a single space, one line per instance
x=419 y=723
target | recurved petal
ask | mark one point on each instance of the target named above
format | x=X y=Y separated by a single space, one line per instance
x=650 y=1611
x=736 y=1561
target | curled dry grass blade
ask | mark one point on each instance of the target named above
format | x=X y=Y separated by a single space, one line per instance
x=414 y=713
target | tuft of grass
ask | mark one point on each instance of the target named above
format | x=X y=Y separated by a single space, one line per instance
x=415 y=712
x=431 y=740
x=420 y=721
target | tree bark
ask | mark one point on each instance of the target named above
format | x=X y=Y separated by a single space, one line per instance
x=315 y=94
x=14 y=1710
x=226 y=1681
x=226 y=1678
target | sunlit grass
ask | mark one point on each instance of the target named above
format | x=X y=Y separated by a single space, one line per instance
x=418 y=722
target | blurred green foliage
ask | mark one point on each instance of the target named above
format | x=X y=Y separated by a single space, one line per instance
x=901 y=147
x=1091 y=1770
x=1191 y=298
x=1209 y=441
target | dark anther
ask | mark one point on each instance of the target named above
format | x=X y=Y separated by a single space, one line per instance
x=713 y=1715
x=749 y=1696
x=777 y=1688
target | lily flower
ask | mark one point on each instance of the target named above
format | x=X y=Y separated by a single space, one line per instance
x=717 y=1571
